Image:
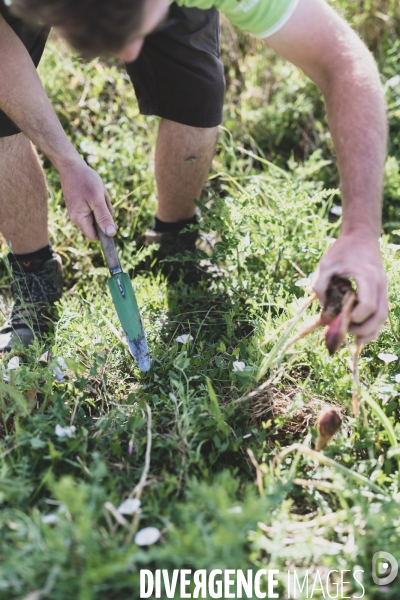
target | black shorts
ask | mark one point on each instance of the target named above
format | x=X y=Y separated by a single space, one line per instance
x=178 y=75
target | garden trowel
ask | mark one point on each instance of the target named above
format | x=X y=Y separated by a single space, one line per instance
x=125 y=304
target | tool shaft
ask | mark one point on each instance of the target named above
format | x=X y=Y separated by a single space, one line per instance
x=110 y=253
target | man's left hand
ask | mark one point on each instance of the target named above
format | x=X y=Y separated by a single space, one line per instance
x=357 y=256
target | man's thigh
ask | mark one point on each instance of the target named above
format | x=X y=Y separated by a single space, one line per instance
x=178 y=75
x=34 y=40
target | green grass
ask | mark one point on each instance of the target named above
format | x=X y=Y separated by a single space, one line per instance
x=209 y=445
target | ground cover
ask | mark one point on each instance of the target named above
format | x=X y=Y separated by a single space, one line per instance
x=196 y=440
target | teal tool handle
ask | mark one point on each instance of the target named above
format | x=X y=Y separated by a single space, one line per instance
x=110 y=253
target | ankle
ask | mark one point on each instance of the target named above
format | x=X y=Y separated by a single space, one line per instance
x=30 y=260
x=175 y=227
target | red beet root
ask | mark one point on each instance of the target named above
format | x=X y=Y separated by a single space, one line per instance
x=334 y=336
x=336 y=294
x=328 y=424
x=337 y=330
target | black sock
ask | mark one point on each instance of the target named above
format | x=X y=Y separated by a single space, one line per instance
x=25 y=259
x=163 y=227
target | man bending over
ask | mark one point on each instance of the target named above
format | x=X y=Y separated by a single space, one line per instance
x=307 y=32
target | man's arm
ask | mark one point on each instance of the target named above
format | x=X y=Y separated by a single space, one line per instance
x=323 y=45
x=24 y=100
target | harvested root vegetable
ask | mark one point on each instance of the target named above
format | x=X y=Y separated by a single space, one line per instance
x=340 y=301
x=336 y=315
x=338 y=290
x=329 y=422
x=338 y=329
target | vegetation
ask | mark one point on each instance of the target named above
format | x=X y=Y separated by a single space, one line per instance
x=212 y=484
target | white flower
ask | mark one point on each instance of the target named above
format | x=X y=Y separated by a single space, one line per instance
x=397 y=378
x=247 y=436
x=235 y=510
x=61 y=363
x=304 y=282
x=387 y=358
x=336 y=210
x=49 y=519
x=239 y=365
x=59 y=375
x=393 y=81
x=183 y=339
x=129 y=506
x=311 y=276
x=65 y=431
x=147 y=536
x=45 y=357
x=13 y=363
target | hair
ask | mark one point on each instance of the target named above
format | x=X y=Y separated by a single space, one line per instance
x=92 y=27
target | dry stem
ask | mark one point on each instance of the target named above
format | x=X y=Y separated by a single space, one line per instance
x=138 y=489
x=356 y=350
x=259 y=480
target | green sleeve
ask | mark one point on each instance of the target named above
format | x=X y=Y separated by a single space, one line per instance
x=260 y=17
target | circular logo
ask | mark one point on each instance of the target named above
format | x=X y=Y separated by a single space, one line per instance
x=384 y=568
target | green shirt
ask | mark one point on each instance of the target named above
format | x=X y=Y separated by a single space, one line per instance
x=262 y=18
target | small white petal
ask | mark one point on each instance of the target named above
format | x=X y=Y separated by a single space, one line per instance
x=393 y=81
x=336 y=210
x=387 y=358
x=304 y=282
x=6 y=378
x=182 y=339
x=129 y=506
x=49 y=519
x=247 y=436
x=13 y=363
x=393 y=247
x=397 y=378
x=59 y=375
x=235 y=510
x=147 y=536
x=330 y=240
x=61 y=363
x=65 y=431
x=60 y=431
x=45 y=357
x=238 y=365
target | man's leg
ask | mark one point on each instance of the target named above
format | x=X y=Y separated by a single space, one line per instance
x=36 y=270
x=182 y=163
x=179 y=77
x=23 y=196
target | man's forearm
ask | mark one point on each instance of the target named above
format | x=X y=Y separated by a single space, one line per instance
x=24 y=100
x=318 y=41
x=357 y=120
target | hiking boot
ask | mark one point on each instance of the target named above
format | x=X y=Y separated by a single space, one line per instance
x=171 y=244
x=36 y=286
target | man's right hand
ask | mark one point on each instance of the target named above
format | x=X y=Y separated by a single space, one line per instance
x=86 y=197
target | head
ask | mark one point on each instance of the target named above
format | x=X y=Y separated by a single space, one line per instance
x=97 y=27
